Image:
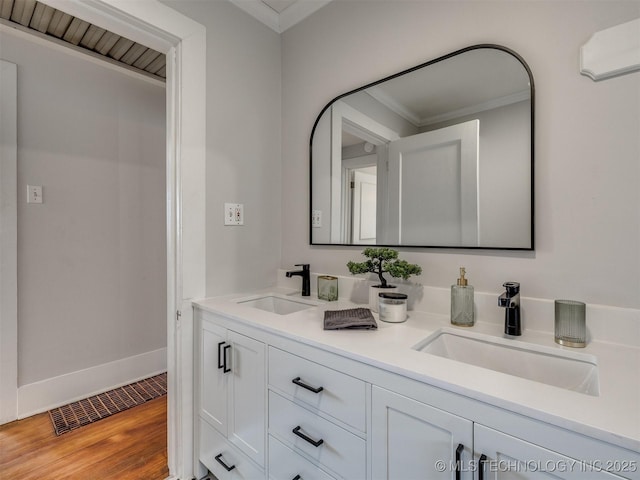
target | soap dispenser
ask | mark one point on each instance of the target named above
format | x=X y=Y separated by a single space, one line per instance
x=462 y=302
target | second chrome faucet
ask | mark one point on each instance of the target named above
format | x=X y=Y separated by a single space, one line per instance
x=510 y=301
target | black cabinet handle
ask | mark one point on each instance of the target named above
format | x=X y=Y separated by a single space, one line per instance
x=315 y=443
x=226 y=368
x=483 y=458
x=458 y=455
x=298 y=382
x=220 y=360
x=221 y=462
x=297 y=477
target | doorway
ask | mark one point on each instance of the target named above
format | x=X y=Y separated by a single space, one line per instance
x=363 y=205
x=91 y=257
x=183 y=41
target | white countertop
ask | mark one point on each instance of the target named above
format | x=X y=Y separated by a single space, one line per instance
x=613 y=416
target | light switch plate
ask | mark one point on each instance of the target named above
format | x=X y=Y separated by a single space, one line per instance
x=34 y=193
x=316 y=218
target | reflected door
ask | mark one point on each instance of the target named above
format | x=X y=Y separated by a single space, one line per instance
x=364 y=208
x=433 y=188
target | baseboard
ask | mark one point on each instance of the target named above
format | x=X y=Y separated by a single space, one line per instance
x=53 y=392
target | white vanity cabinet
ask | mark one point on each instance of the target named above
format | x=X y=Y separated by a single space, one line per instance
x=272 y=406
x=413 y=440
x=231 y=400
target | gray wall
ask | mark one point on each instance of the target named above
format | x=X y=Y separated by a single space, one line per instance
x=243 y=145
x=91 y=258
x=587 y=142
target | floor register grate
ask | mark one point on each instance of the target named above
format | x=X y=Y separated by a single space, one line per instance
x=83 y=412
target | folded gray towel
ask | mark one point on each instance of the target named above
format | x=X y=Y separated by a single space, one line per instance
x=353 y=318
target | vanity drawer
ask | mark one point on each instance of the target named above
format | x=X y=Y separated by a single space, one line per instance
x=337 y=449
x=213 y=445
x=342 y=396
x=285 y=464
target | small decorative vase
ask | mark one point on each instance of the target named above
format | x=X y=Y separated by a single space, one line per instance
x=328 y=288
x=374 y=290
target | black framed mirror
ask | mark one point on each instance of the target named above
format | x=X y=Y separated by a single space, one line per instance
x=440 y=155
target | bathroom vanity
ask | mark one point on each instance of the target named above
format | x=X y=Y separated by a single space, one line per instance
x=279 y=397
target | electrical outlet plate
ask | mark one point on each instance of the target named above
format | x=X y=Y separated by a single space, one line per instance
x=316 y=218
x=233 y=214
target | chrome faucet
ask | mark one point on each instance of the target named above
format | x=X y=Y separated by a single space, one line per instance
x=306 y=278
x=510 y=301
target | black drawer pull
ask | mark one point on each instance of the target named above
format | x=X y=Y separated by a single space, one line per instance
x=226 y=368
x=315 y=443
x=221 y=462
x=483 y=459
x=458 y=455
x=298 y=382
x=220 y=360
x=297 y=477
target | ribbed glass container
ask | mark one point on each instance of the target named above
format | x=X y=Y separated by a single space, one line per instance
x=570 y=323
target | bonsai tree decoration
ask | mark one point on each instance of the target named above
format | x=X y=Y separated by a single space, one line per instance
x=384 y=260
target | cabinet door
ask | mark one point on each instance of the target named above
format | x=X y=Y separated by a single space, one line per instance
x=213 y=379
x=503 y=457
x=412 y=440
x=247 y=393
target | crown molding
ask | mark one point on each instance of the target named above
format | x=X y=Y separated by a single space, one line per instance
x=299 y=11
x=480 y=107
x=280 y=22
x=412 y=118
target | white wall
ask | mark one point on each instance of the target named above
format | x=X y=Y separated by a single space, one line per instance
x=587 y=142
x=91 y=258
x=243 y=145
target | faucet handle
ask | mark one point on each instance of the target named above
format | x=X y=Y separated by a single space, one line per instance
x=305 y=266
x=513 y=288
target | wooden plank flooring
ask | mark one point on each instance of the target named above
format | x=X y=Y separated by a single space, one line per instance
x=131 y=445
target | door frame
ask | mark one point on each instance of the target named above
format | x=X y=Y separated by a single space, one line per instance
x=344 y=116
x=183 y=41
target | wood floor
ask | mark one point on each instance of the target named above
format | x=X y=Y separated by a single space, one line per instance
x=131 y=445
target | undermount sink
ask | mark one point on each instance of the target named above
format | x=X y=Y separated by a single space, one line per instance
x=572 y=371
x=276 y=303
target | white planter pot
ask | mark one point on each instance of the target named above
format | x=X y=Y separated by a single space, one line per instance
x=374 y=290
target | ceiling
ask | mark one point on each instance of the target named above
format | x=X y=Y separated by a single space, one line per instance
x=279 y=15
x=55 y=25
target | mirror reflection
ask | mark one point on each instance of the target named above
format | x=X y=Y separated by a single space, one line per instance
x=437 y=156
